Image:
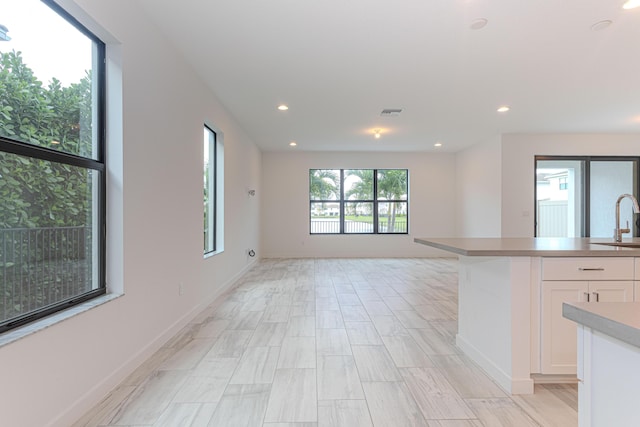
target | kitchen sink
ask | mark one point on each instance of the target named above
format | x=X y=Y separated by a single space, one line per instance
x=622 y=244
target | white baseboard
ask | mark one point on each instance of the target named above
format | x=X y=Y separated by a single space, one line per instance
x=554 y=379
x=98 y=392
x=498 y=375
x=352 y=255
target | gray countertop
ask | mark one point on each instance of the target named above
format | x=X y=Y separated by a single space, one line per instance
x=620 y=320
x=539 y=246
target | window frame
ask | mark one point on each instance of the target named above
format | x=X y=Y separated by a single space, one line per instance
x=212 y=219
x=342 y=201
x=586 y=187
x=97 y=164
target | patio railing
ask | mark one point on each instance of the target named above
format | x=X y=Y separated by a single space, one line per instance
x=331 y=225
x=42 y=266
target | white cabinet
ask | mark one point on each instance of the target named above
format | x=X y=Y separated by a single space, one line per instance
x=611 y=291
x=609 y=381
x=588 y=268
x=575 y=280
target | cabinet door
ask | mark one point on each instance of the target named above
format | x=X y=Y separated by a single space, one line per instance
x=611 y=291
x=559 y=344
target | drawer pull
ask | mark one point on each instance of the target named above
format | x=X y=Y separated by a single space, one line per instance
x=586 y=294
x=590 y=269
x=597 y=295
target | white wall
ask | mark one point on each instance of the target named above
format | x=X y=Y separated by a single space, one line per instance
x=479 y=190
x=155 y=230
x=285 y=204
x=518 y=169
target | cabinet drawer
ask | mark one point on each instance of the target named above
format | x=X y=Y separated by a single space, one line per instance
x=588 y=268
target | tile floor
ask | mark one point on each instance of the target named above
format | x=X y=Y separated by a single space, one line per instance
x=327 y=342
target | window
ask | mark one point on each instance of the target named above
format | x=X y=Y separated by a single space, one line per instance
x=562 y=183
x=213 y=166
x=52 y=170
x=576 y=195
x=358 y=201
x=209 y=190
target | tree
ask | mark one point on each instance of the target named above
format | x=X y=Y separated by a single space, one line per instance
x=392 y=185
x=34 y=192
x=362 y=188
x=324 y=184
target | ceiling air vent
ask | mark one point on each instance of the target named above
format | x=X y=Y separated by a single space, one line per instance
x=391 y=112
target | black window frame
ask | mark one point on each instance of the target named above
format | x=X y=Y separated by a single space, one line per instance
x=342 y=201
x=17 y=147
x=214 y=173
x=586 y=187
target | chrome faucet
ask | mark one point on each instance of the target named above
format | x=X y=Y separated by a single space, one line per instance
x=617 y=233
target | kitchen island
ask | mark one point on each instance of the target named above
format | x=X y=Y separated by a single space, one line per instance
x=608 y=361
x=510 y=295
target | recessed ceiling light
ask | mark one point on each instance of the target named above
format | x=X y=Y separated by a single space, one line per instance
x=283 y=107
x=478 y=24
x=503 y=109
x=438 y=144
x=631 y=4
x=376 y=134
x=293 y=144
x=601 y=25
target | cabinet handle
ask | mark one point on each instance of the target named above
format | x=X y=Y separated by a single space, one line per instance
x=586 y=294
x=590 y=269
x=597 y=295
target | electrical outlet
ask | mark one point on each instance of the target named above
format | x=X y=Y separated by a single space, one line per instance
x=181 y=289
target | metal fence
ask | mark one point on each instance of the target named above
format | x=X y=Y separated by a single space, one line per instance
x=42 y=266
x=329 y=226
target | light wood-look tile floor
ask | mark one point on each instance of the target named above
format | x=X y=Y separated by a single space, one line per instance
x=327 y=343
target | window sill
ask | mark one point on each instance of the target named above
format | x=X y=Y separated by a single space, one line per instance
x=37 y=326
x=211 y=254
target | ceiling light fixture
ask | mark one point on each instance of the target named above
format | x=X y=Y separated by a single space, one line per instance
x=478 y=24
x=376 y=134
x=391 y=112
x=631 y=4
x=438 y=144
x=601 y=25
x=503 y=109
x=292 y=144
x=283 y=107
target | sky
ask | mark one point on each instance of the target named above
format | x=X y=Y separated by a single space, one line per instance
x=50 y=46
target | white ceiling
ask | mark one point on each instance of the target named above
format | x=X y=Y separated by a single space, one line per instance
x=339 y=63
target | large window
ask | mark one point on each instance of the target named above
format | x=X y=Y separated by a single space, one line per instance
x=576 y=195
x=358 y=201
x=52 y=171
x=213 y=197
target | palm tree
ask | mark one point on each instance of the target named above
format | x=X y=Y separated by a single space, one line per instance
x=361 y=189
x=392 y=185
x=324 y=184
